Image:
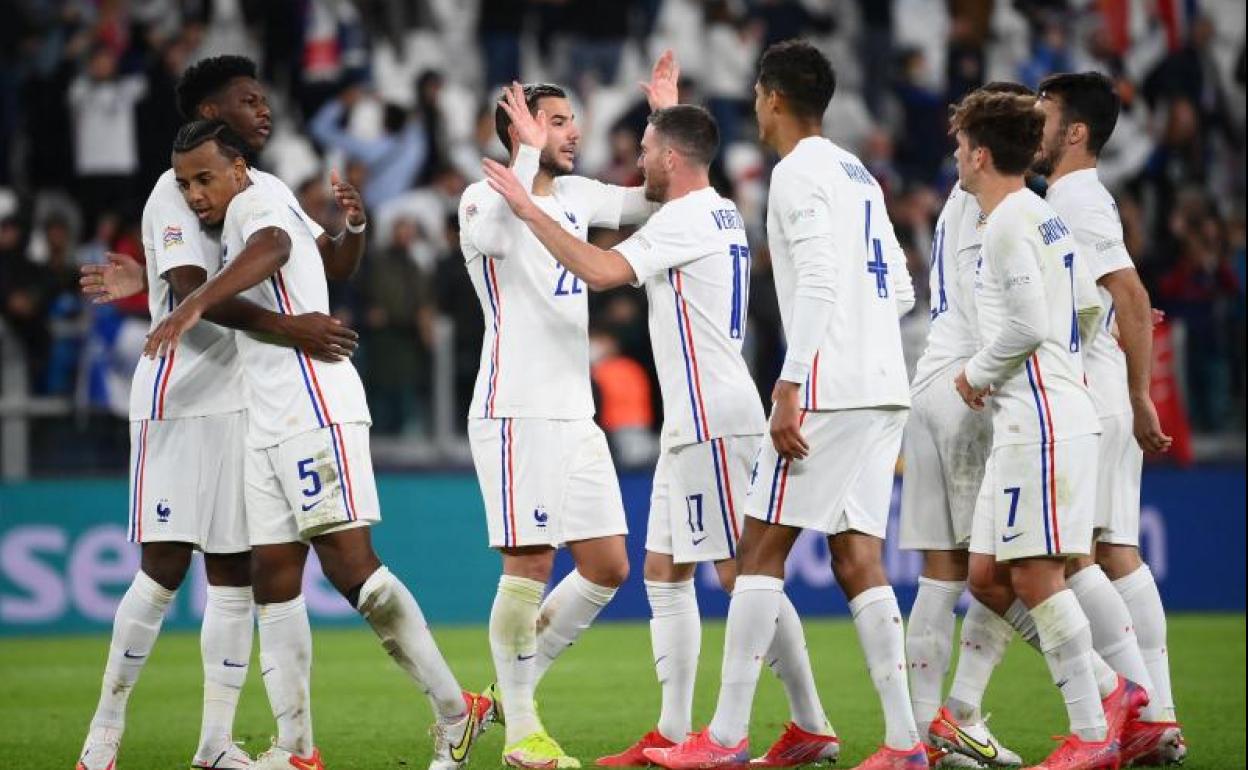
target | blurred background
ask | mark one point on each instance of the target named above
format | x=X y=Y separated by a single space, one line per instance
x=398 y=95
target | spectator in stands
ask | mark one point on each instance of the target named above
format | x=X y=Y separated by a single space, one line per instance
x=398 y=315
x=624 y=398
x=393 y=160
x=106 y=152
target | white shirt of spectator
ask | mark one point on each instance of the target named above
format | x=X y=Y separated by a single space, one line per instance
x=1084 y=204
x=693 y=258
x=287 y=392
x=201 y=376
x=831 y=240
x=1028 y=287
x=953 y=335
x=535 y=351
x=105 y=142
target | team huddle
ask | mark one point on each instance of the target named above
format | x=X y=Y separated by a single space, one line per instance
x=1022 y=433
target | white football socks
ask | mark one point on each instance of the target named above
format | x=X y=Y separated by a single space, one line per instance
x=878 y=621
x=929 y=643
x=790 y=661
x=225 y=644
x=286 y=668
x=1139 y=592
x=1066 y=642
x=135 y=628
x=676 y=638
x=395 y=616
x=1018 y=617
x=1113 y=634
x=752 y=616
x=985 y=637
x=567 y=611
x=513 y=644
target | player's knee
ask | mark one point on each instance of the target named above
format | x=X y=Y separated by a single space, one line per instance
x=228 y=569
x=611 y=574
x=986 y=588
x=1118 y=561
x=166 y=563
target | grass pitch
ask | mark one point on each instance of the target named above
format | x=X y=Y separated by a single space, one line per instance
x=597 y=699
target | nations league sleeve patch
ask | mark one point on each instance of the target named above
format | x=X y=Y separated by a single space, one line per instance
x=172 y=236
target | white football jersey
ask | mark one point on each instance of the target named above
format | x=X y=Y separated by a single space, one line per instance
x=953 y=335
x=693 y=258
x=287 y=392
x=535 y=351
x=820 y=190
x=1028 y=275
x=1084 y=204
x=201 y=377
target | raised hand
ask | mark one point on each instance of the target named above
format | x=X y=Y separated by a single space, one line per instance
x=347 y=198
x=122 y=276
x=504 y=182
x=662 y=89
x=530 y=129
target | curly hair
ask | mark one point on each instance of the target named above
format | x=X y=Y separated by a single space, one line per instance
x=798 y=70
x=1007 y=125
x=206 y=78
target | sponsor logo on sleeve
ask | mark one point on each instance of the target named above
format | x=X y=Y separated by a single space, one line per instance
x=172 y=236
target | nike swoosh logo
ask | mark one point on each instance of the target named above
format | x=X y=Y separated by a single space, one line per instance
x=460 y=753
x=985 y=750
x=306 y=507
x=303 y=764
x=231 y=664
x=660 y=659
x=698 y=541
x=267 y=671
x=132 y=656
x=1008 y=538
x=526 y=657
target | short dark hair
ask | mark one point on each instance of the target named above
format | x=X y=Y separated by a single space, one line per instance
x=206 y=78
x=798 y=70
x=689 y=129
x=1086 y=97
x=1008 y=125
x=197 y=132
x=533 y=92
x=1006 y=87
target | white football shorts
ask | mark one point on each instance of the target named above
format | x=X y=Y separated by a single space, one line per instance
x=1118 y=482
x=844 y=484
x=312 y=484
x=697 y=503
x=1037 y=500
x=186 y=482
x=545 y=482
x=944 y=450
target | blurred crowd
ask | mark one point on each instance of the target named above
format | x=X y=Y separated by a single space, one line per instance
x=398 y=95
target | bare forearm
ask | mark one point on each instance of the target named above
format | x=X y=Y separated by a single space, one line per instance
x=250 y=267
x=243 y=315
x=586 y=261
x=1135 y=333
x=341 y=254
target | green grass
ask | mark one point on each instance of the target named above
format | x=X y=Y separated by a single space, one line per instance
x=600 y=696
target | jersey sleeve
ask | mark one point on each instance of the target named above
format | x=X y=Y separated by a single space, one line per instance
x=1099 y=233
x=173 y=235
x=663 y=242
x=805 y=216
x=485 y=221
x=1015 y=263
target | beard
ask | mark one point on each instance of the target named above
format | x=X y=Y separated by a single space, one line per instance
x=655 y=190
x=1046 y=160
x=553 y=165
